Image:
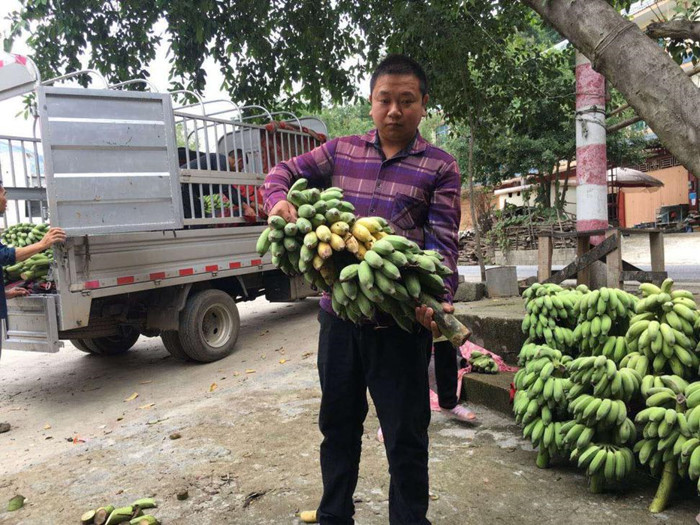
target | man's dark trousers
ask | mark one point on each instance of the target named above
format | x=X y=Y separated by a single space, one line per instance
x=446 y=374
x=391 y=363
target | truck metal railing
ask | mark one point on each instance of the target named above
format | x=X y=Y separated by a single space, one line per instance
x=22 y=173
x=229 y=158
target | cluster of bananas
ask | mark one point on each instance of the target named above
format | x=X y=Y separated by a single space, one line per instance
x=392 y=276
x=662 y=332
x=602 y=320
x=306 y=246
x=550 y=315
x=600 y=430
x=667 y=428
x=360 y=261
x=540 y=399
x=600 y=376
x=482 y=363
x=689 y=460
x=611 y=462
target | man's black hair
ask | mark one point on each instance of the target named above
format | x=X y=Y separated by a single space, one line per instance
x=397 y=64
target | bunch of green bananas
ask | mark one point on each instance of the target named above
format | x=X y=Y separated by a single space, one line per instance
x=550 y=315
x=482 y=363
x=36 y=267
x=540 y=399
x=666 y=428
x=602 y=321
x=600 y=376
x=359 y=261
x=663 y=330
x=306 y=245
x=689 y=461
x=600 y=430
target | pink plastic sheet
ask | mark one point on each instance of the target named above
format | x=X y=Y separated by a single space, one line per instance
x=466 y=350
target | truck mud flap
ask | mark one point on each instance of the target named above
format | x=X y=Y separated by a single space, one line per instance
x=282 y=289
x=31 y=324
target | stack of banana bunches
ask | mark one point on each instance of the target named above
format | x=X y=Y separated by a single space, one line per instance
x=36 y=267
x=359 y=261
x=627 y=396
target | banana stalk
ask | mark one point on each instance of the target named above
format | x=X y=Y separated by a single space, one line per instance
x=666 y=485
x=448 y=324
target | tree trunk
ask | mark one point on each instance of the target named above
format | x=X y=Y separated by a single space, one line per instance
x=648 y=78
x=472 y=205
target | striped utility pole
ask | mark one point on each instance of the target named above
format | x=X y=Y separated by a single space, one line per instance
x=591 y=158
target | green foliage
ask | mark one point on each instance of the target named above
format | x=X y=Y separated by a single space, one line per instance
x=263 y=49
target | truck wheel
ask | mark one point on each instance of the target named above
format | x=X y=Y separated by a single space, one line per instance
x=171 y=342
x=81 y=345
x=209 y=326
x=115 y=344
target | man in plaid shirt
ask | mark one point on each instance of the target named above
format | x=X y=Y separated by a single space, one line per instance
x=392 y=172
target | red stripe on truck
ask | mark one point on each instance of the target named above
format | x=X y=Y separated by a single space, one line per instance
x=125 y=280
x=256 y=262
x=157 y=275
x=92 y=284
x=212 y=268
x=187 y=271
x=234 y=265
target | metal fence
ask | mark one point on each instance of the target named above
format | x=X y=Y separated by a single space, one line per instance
x=22 y=173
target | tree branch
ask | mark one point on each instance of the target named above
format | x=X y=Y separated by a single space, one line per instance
x=655 y=87
x=675 y=30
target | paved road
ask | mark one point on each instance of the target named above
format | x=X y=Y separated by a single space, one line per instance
x=680 y=273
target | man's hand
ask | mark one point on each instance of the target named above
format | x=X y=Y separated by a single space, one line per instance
x=16 y=292
x=53 y=236
x=286 y=210
x=424 y=316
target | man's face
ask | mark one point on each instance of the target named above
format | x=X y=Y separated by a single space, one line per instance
x=397 y=107
x=235 y=164
x=3 y=200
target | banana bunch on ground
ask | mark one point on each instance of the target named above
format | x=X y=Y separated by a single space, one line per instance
x=540 y=400
x=132 y=514
x=602 y=321
x=670 y=435
x=359 y=261
x=36 y=267
x=689 y=461
x=550 y=315
x=663 y=330
x=482 y=363
x=600 y=434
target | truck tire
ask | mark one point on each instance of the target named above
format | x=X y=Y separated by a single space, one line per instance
x=80 y=345
x=209 y=325
x=171 y=342
x=115 y=344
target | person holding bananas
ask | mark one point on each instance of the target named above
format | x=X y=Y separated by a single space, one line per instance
x=394 y=173
x=10 y=256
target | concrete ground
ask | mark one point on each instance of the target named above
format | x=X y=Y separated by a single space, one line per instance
x=248 y=451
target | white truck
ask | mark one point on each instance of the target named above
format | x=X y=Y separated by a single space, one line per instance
x=105 y=166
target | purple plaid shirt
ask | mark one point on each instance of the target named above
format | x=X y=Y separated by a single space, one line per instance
x=417 y=191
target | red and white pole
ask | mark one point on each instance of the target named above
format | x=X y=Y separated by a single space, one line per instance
x=591 y=157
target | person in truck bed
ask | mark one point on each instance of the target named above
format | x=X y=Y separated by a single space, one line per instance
x=9 y=256
x=194 y=208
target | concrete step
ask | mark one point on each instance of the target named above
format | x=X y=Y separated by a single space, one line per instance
x=495 y=324
x=490 y=390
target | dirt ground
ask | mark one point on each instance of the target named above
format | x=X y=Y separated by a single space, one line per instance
x=248 y=451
